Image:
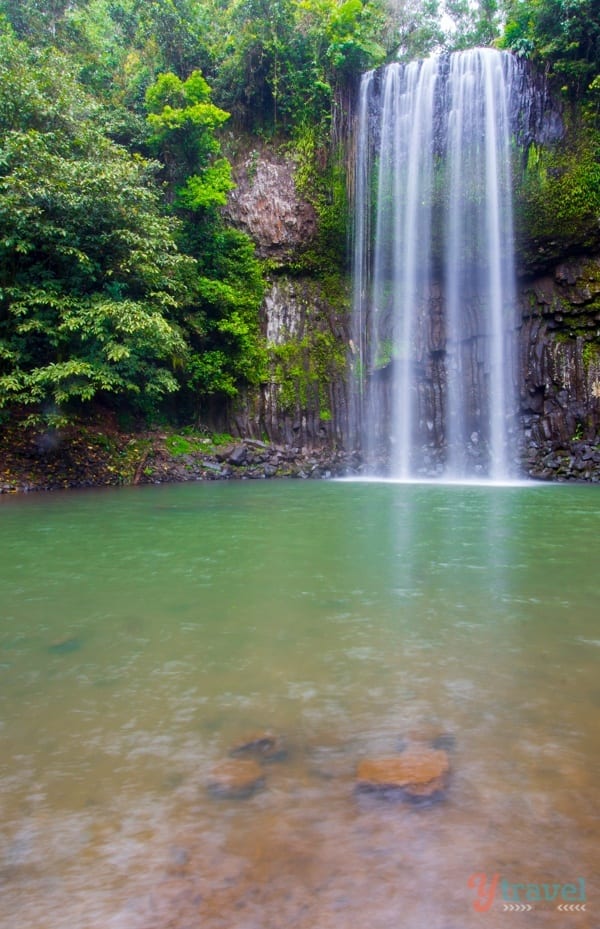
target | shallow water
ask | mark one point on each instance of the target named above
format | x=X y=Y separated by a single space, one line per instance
x=146 y=631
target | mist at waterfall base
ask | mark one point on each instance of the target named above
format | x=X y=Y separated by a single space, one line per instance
x=433 y=389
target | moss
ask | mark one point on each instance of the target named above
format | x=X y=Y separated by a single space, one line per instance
x=178 y=445
x=591 y=355
x=305 y=369
x=321 y=179
x=190 y=441
x=557 y=199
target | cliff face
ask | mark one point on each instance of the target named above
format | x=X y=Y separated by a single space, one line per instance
x=304 y=314
x=265 y=204
x=306 y=321
x=560 y=370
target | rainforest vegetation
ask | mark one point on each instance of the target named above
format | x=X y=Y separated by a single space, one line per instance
x=121 y=283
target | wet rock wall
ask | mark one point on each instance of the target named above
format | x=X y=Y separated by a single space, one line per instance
x=560 y=371
x=305 y=312
x=306 y=322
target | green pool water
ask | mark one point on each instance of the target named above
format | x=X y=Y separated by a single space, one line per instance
x=144 y=632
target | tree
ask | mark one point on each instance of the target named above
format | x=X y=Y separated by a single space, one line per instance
x=183 y=123
x=90 y=276
x=34 y=21
x=563 y=36
x=221 y=325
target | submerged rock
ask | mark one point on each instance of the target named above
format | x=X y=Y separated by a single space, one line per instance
x=236 y=778
x=65 y=646
x=263 y=746
x=417 y=774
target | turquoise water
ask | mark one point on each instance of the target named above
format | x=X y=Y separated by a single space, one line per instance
x=146 y=631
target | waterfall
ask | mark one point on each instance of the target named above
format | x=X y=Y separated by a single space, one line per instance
x=433 y=354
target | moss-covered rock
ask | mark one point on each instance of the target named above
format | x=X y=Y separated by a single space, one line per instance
x=557 y=199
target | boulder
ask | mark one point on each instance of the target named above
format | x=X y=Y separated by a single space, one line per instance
x=238 y=455
x=416 y=774
x=236 y=778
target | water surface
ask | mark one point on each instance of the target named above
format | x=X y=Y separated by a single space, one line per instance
x=146 y=631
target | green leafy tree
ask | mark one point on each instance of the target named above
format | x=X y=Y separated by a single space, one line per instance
x=183 y=123
x=281 y=61
x=256 y=57
x=413 y=28
x=39 y=23
x=221 y=326
x=562 y=36
x=90 y=276
x=180 y=29
x=472 y=23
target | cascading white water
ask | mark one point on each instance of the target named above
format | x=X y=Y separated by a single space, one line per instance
x=434 y=294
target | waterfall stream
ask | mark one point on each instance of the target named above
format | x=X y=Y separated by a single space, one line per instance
x=434 y=295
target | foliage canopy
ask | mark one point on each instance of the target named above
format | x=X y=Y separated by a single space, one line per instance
x=119 y=276
x=90 y=275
